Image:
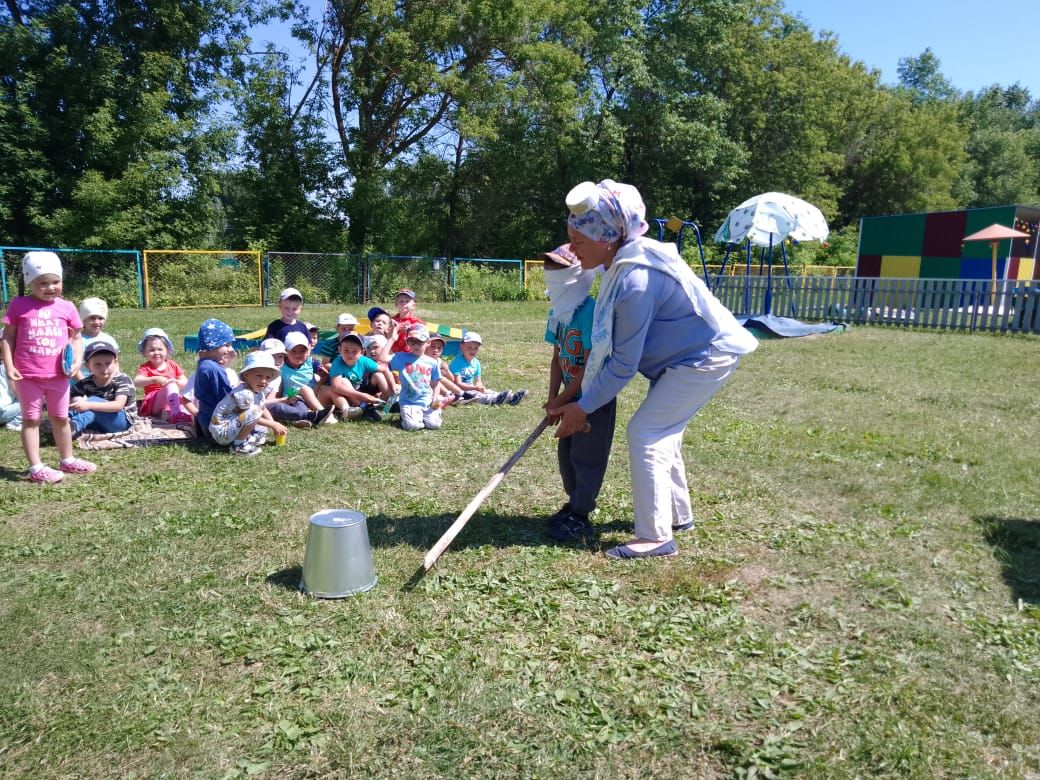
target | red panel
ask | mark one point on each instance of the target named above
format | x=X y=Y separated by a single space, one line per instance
x=1013 y=269
x=869 y=265
x=943 y=231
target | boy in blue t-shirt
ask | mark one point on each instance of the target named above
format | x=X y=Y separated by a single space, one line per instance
x=582 y=457
x=465 y=368
x=297 y=402
x=355 y=379
x=420 y=375
x=216 y=347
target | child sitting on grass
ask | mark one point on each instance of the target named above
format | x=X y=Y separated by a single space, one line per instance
x=301 y=375
x=327 y=349
x=37 y=329
x=276 y=349
x=290 y=304
x=106 y=401
x=10 y=409
x=466 y=370
x=404 y=320
x=420 y=375
x=94 y=314
x=296 y=402
x=161 y=378
x=240 y=421
x=451 y=393
x=356 y=379
x=380 y=324
x=211 y=380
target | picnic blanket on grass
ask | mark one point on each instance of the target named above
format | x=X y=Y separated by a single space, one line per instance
x=145 y=432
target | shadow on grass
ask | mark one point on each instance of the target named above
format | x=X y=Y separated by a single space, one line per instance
x=1016 y=544
x=483 y=530
x=289 y=578
x=13 y=475
x=422 y=532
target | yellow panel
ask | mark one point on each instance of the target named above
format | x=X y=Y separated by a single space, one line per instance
x=901 y=266
x=1026 y=266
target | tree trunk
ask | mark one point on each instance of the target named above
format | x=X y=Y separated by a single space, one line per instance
x=451 y=229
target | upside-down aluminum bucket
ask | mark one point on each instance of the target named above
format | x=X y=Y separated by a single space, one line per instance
x=338 y=560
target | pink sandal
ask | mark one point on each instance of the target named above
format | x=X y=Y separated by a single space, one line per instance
x=78 y=466
x=46 y=475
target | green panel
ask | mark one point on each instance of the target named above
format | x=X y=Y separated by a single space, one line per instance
x=940 y=267
x=899 y=235
x=983 y=218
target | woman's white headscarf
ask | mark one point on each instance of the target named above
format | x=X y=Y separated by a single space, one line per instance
x=607 y=212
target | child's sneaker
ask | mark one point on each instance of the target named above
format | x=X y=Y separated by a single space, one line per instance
x=303 y=424
x=77 y=466
x=467 y=397
x=516 y=396
x=46 y=475
x=258 y=437
x=13 y=426
x=319 y=417
x=244 y=448
x=570 y=527
x=181 y=418
x=371 y=413
x=353 y=413
x=497 y=399
x=330 y=418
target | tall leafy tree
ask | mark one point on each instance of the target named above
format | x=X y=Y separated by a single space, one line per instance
x=106 y=126
x=402 y=72
x=284 y=192
x=1003 y=146
x=922 y=77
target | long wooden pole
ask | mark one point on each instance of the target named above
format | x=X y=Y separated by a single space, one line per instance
x=460 y=522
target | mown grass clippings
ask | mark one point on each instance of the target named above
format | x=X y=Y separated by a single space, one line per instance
x=858 y=597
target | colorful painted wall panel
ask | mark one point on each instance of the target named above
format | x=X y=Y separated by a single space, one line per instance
x=898 y=235
x=900 y=267
x=940 y=267
x=931 y=245
x=981 y=268
x=869 y=266
x=943 y=231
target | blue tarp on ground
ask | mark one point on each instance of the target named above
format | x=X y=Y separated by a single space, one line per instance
x=770 y=326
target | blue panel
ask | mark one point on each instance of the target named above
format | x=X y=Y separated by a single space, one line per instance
x=976 y=268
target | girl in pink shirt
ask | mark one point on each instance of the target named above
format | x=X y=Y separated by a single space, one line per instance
x=37 y=328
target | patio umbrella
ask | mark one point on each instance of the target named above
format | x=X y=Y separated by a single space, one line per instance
x=768 y=219
x=995 y=233
x=771 y=217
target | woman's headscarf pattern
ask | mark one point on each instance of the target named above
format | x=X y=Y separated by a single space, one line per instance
x=618 y=214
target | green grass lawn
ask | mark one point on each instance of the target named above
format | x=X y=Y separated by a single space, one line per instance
x=861 y=597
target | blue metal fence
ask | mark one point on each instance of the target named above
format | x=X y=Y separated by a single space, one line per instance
x=85 y=273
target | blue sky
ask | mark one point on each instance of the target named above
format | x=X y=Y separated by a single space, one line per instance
x=978 y=43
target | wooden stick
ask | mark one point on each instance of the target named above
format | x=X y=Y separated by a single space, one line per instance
x=460 y=522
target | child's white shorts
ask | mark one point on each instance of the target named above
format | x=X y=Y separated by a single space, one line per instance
x=415 y=418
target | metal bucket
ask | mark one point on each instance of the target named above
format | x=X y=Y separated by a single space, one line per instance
x=338 y=561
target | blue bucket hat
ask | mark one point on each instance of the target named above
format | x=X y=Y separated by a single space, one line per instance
x=213 y=334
